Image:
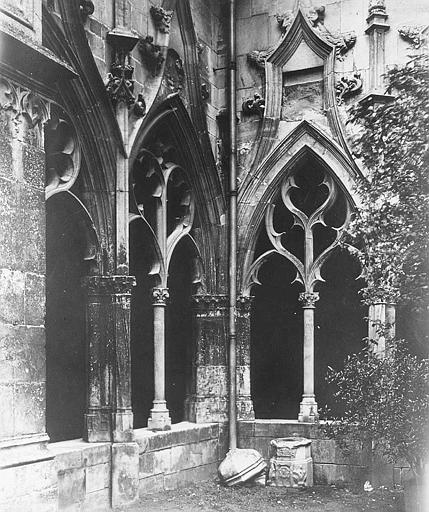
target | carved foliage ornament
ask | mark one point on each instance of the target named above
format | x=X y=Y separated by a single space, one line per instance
x=348 y=86
x=120 y=83
x=160 y=296
x=162 y=18
x=24 y=103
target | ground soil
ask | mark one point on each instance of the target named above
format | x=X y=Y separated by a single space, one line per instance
x=213 y=497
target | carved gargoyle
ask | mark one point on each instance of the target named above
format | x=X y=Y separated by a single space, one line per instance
x=255 y=105
x=257 y=58
x=151 y=54
x=284 y=20
x=162 y=18
x=342 y=42
x=86 y=9
x=347 y=86
x=414 y=34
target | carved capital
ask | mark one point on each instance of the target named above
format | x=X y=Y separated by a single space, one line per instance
x=308 y=299
x=24 y=104
x=254 y=106
x=162 y=18
x=244 y=304
x=348 y=86
x=210 y=304
x=108 y=285
x=160 y=296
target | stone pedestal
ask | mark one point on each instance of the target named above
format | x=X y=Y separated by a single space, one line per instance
x=291 y=464
x=108 y=416
x=208 y=399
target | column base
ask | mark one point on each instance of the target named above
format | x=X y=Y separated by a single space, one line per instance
x=159 y=417
x=98 y=425
x=308 y=409
x=122 y=427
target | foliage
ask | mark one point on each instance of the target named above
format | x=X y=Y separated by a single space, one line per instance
x=391 y=228
x=386 y=400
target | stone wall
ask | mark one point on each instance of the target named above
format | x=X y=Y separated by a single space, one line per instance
x=93 y=476
x=22 y=265
x=330 y=464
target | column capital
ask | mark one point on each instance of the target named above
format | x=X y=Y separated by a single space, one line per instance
x=160 y=296
x=210 y=304
x=108 y=285
x=308 y=299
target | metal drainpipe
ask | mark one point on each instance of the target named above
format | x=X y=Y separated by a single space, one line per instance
x=232 y=256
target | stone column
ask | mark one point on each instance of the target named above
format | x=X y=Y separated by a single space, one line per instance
x=381 y=324
x=159 y=416
x=108 y=415
x=208 y=399
x=308 y=406
x=244 y=400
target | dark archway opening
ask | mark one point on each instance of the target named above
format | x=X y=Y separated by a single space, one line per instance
x=179 y=332
x=141 y=331
x=65 y=319
x=309 y=199
x=339 y=322
x=276 y=342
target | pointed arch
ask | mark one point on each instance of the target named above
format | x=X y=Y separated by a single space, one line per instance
x=86 y=102
x=257 y=194
x=172 y=119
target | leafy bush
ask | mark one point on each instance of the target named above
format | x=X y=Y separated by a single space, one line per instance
x=391 y=228
x=386 y=400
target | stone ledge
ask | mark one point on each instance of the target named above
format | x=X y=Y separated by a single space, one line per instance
x=180 y=434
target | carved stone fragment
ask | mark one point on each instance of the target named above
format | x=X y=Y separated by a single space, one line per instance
x=162 y=18
x=151 y=54
x=348 y=86
x=255 y=105
x=291 y=464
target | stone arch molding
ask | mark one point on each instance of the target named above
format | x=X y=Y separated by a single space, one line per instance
x=164 y=187
x=302 y=40
x=257 y=195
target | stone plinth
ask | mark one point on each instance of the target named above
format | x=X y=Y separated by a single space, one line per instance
x=291 y=464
